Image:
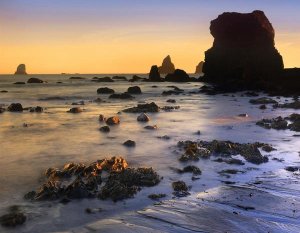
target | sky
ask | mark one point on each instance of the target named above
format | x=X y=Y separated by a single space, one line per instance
x=126 y=36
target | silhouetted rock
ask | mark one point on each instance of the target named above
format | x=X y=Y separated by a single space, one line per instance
x=199 y=68
x=105 y=90
x=36 y=109
x=143 y=117
x=105 y=129
x=136 y=78
x=121 y=96
x=142 y=108
x=35 y=80
x=104 y=79
x=154 y=75
x=134 y=90
x=243 y=52
x=178 y=76
x=167 y=66
x=21 y=69
x=15 y=107
x=75 y=110
x=76 y=78
x=121 y=78
x=129 y=143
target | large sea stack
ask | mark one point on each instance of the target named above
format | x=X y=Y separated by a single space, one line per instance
x=243 y=50
x=167 y=66
x=21 y=69
x=199 y=68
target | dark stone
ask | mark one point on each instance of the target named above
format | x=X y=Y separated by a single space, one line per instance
x=143 y=108
x=193 y=169
x=134 y=90
x=15 y=107
x=105 y=129
x=113 y=120
x=19 y=83
x=105 y=90
x=156 y=196
x=12 y=219
x=167 y=66
x=104 y=79
x=75 y=110
x=154 y=75
x=178 y=76
x=243 y=50
x=36 y=109
x=2 y=110
x=135 y=78
x=35 y=80
x=263 y=100
x=171 y=101
x=129 y=143
x=121 y=96
x=76 y=78
x=122 y=78
x=180 y=186
x=293 y=105
x=276 y=123
x=151 y=127
x=21 y=69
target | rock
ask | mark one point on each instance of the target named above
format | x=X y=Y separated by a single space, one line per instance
x=171 y=101
x=21 y=69
x=76 y=78
x=105 y=90
x=12 y=219
x=15 y=107
x=102 y=118
x=19 y=83
x=35 y=80
x=122 y=78
x=36 y=109
x=75 y=110
x=136 y=78
x=134 y=90
x=104 y=79
x=230 y=161
x=292 y=169
x=4 y=91
x=121 y=96
x=98 y=100
x=129 y=143
x=294 y=105
x=263 y=107
x=143 y=108
x=203 y=149
x=113 y=120
x=178 y=76
x=2 y=110
x=193 y=169
x=105 y=129
x=165 y=137
x=151 y=127
x=170 y=108
x=78 y=103
x=154 y=75
x=243 y=51
x=167 y=66
x=199 y=68
x=143 y=117
x=180 y=186
x=263 y=100
x=276 y=123
x=156 y=196
x=243 y=115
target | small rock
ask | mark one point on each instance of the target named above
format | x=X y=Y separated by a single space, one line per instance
x=121 y=96
x=143 y=117
x=102 y=118
x=142 y=108
x=12 y=219
x=263 y=100
x=15 y=107
x=35 y=80
x=129 y=143
x=151 y=127
x=105 y=129
x=105 y=90
x=263 y=107
x=134 y=90
x=179 y=186
x=36 y=109
x=156 y=196
x=243 y=115
x=75 y=110
x=171 y=101
x=113 y=120
x=19 y=83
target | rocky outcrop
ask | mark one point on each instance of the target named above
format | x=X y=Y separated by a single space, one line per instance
x=154 y=75
x=167 y=66
x=199 y=68
x=178 y=76
x=134 y=90
x=243 y=50
x=35 y=80
x=21 y=69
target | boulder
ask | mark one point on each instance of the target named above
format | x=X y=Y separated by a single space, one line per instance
x=178 y=76
x=121 y=78
x=21 y=69
x=113 y=120
x=134 y=90
x=105 y=90
x=167 y=66
x=35 y=80
x=19 y=83
x=199 y=68
x=129 y=143
x=105 y=129
x=15 y=107
x=75 y=110
x=121 y=96
x=143 y=117
x=243 y=50
x=135 y=78
x=154 y=75
x=36 y=109
x=142 y=108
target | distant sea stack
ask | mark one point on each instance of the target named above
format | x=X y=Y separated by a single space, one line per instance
x=154 y=75
x=21 y=69
x=199 y=68
x=167 y=66
x=243 y=49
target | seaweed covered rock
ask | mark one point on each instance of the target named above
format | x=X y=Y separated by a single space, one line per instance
x=167 y=66
x=38 y=109
x=143 y=108
x=291 y=122
x=243 y=50
x=76 y=180
x=204 y=149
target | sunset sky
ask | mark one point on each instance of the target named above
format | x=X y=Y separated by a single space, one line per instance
x=126 y=36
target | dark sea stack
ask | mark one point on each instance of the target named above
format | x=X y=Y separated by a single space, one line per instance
x=199 y=68
x=21 y=69
x=178 y=76
x=154 y=75
x=243 y=50
x=167 y=66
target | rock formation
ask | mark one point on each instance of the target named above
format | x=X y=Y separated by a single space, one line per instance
x=167 y=66
x=178 y=76
x=243 y=49
x=21 y=69
x=199 y=68
x=154 y=75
